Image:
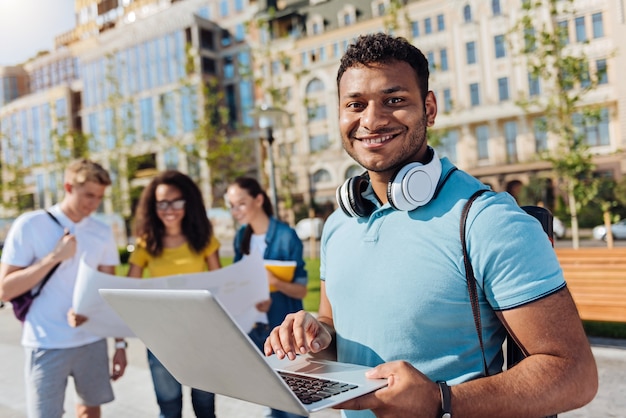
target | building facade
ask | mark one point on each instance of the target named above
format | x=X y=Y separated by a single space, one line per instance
x=128 y=78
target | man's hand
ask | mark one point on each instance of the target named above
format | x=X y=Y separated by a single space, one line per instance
x=65 y=248
x=74 y=319
x=119 y=364
x=300 y=333
x=409 y=393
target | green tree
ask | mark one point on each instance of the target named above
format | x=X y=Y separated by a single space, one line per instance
x=563 y=73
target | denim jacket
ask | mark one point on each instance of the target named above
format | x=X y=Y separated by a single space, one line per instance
x=282 y=244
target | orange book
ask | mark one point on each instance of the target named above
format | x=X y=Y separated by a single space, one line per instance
x=284 y=270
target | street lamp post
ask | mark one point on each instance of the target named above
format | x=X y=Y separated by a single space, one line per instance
x=266 y=123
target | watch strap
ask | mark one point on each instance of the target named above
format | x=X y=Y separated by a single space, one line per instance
x=446 y=399
x=119 y=345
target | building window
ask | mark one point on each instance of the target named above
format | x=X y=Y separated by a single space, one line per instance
x=147 y=119
x=321 y=176
x=314 y=86
x=474 y=94
x=443 y=60
x=170 y=155
x=428 y=25
x=541 y=134
x=319 y=142
x=430 y=56
x=223 y=8
x=415 y=29
x=581 y=34
x=470 y=49
x=534 y=88
x=239 y=5
x=448 y=145
x=441 y=23
x=594 y=131
x=602 y=74
x=510 y=138
x=495 y=7
x=316 y=113
x=563 y=31
x=598 y=26
x=503 y=89
x=500 y=47
x=482 y=142
x=447 y=100
x=467 y=13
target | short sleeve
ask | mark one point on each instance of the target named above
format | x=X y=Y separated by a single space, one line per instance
x=139 y=256
x=213 y=246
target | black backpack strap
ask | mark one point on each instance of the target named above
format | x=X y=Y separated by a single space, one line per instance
x=45 y=279
x=469 y=276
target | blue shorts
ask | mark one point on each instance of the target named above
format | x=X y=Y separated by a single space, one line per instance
x=46 y=372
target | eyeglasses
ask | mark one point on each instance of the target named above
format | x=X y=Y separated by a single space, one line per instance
x=164 y=205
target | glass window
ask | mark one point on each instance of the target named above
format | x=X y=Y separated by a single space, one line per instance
x=415 y=28
x=500 y=47
x=428 y=25
x=321 y=176
x=148 y=131
x=239 y=5
x=240 y=32
x=598 y=26
x=168 y=114
x=510 y=138
x=441 y=23
x=430 y=56
x=229 y=67
x=530 y=43
x=109 y=129
x=37 y=140
x=319 y=142
x=563 y=28
x=470 y=50
x=443 y=60
x=534 y=88
x=495 y=7
x=602 y=74
x=317 y=113
x=467 y=13
x=581 y=34
x=503 y=89
x=448 y=145
x=223 y=8
x=541 y=134
x=474 y=94
x=188 y=109
x=482 y=141
x=315 y=85
x=170 y=155
x=447 y=100
x=94 y=131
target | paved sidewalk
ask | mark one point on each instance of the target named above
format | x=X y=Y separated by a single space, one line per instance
x=135 y=396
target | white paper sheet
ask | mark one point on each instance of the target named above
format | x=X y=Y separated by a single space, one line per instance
x=239 y=287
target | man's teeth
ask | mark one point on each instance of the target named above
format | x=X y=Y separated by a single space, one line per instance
x=378 y=140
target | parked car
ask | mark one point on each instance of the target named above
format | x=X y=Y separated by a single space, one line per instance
x=558 y=229
x=309 y=226
x=618 y=229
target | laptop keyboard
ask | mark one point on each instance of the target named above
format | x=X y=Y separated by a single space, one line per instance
x=313 y=389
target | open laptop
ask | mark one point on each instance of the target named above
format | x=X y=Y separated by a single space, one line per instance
x=201 y=345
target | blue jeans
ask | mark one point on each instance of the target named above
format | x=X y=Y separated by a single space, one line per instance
x=169 y=393
x=258 y=335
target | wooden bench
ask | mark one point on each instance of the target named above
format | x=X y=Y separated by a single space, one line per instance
x=596 y=278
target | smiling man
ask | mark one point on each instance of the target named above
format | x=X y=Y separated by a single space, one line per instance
x=394 y=293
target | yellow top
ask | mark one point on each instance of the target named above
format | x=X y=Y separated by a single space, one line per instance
x=178 y=260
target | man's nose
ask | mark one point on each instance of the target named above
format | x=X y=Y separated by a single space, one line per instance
x=374 y=116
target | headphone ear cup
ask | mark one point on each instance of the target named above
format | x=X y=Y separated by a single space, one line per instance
x=350 y=200
x=414 y=185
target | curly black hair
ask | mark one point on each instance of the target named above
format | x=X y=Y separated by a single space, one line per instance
x=383 y=48
x=195 y=225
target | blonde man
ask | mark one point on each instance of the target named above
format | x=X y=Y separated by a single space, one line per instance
x=54 y=349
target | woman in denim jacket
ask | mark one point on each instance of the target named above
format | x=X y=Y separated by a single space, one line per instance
x=261 y=232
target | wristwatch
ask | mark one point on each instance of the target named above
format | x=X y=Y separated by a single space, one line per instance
x=120 y=345
x=446 y=404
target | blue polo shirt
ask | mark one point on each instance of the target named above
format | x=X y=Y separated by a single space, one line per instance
x=396 y=279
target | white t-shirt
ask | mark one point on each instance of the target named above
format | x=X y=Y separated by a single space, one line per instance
x=32 y=236
x=258 y=245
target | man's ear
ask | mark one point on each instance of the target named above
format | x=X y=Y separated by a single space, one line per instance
x=430 y=107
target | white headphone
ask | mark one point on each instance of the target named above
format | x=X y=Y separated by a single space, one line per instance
x=413 y=185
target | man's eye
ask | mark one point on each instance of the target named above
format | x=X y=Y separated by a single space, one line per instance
x=355 y=105
x=395 y=100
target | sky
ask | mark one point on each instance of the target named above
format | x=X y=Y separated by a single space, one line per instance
x=29 y=26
